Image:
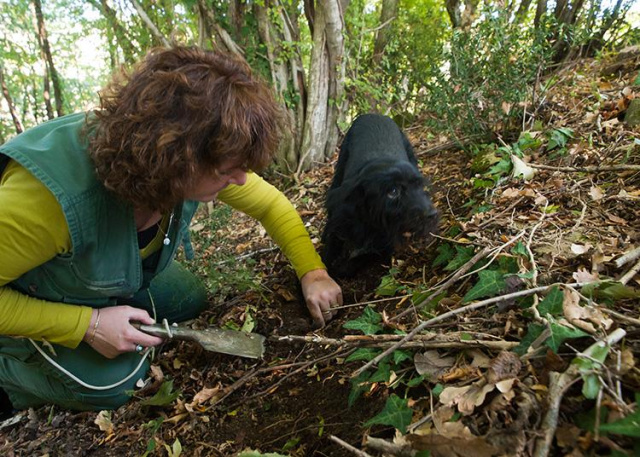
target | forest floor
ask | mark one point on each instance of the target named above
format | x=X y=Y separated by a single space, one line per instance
x=458 y=388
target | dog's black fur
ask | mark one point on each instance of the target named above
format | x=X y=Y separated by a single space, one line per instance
x=376 y=197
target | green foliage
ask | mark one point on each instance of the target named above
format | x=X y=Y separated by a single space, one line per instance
x=395 y=413
x=557 y=334
x=368 y=323
x=628 y=426
x=589 y=369
x=552 y=303
x=163 y=397
x=389 y=286
x=558 y=138
x=416 y=37
x=488 y=72
x=490 y=283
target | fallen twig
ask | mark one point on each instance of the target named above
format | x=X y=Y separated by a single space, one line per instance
x=558 y=384
x=387 y=448
x=630 y=274
x=383 y=341
x=587 y=169
x=461 y=271
x=245 y=256
x=628 y=256
x=471 y=307
x=347 y=446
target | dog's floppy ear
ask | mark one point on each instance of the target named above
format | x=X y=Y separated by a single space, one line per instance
x=409 y=150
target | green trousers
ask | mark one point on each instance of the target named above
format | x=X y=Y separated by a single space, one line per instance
x=31 y=381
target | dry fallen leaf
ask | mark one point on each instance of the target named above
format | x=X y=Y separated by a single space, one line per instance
x=579 y=315
x=431 y=364
x=579 y=249
x=466 y=398
x=204 y=395
x=505 y=366
x=582 y=275
x=103 y=421
x=596 y=193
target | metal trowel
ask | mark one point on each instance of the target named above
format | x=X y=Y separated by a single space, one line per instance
x=213 y=339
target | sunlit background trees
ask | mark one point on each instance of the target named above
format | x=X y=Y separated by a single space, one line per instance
x=467 y=68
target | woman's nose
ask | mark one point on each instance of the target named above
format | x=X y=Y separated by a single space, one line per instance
x=238 y=177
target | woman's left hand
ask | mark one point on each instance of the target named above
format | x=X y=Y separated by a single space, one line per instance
x=322 y=295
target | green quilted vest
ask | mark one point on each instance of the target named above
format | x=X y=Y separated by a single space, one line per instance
x=104 y=263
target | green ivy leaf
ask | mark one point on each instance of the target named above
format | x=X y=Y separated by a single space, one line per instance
x=164 y=396
x=520 y=249
x=560 y=333
x=358 y=385
x=502 y=168
x=413 y=382
x=368 y=323
x=533 y=332
x=388 y=286
x=463 y=255
x=445 y=254
x=400 y=356
x=629 y=426
x=365 y=354
x=382 y=374
x=552 y=303
x=395 y=413
x=559 y=138
x=437 y=389
x=490 y=283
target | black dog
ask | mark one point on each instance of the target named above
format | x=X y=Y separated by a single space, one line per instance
x=377 y=197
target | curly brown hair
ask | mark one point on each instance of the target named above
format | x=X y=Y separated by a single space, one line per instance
x=179 y=113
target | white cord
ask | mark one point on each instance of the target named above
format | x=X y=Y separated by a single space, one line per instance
x=80 y=381
x=90 y=386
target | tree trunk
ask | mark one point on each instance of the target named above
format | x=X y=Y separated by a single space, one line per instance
x=7 y=97
x=453 y=10
x=236 y=12
x=597 y=42
x=43 y=39
x=334 y=23
x=388 y=13
x=541 y=10
x=287 y=75
x=523 y=9
x=459 y=18
x=210 y=30
x=46 y=94
x=155 y=32
x=117 y=31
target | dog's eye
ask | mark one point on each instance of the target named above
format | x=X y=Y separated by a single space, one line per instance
x=393 y=193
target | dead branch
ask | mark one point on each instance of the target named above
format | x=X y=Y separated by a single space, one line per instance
x=630 y=274
x=387 y=448
x=471 y=307
x=558 y=384
x=347 y=446
x=595 y=169
x=628 y=256
x=621 y=317
x=385 y=341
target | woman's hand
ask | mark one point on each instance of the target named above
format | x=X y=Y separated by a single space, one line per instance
x=322 y=294
x=115 y=334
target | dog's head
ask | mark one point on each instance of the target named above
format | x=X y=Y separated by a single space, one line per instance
x=389 y=197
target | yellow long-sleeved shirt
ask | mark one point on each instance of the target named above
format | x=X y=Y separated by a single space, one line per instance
x=33 y=230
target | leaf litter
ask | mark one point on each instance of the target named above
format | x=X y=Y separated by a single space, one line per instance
x=529 y=372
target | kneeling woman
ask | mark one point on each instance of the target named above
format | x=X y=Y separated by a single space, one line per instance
x=93 y=207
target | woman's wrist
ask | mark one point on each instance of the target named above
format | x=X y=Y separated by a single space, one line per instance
x=90 y=334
